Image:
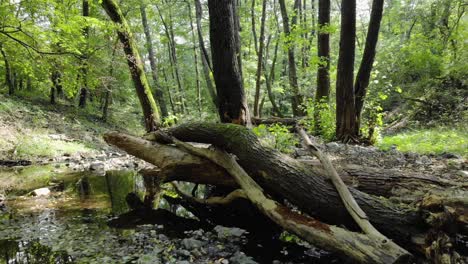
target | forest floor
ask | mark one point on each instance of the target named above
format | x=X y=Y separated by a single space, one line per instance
x=42 y=133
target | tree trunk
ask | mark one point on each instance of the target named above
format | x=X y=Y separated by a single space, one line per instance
x=323 y=52
x=227 y=72
x=269 y=80
x=150 y=109
x=260 y=60
x=109 y=87
x=169 y=32
x=8 y=77
x=204 y=56
x=296 y=98
x=345 y=108
x=312 y=193
x=84 y=66
x=364 y=72
x=305 y=186
x=152 y=58
x=195 y=60
x=56 y=85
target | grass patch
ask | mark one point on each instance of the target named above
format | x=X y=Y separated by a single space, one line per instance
x=429 y=141
x=42 y=146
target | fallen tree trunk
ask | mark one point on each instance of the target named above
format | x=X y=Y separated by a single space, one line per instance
x=385 y=182
x=283 y=177
x=365 y=249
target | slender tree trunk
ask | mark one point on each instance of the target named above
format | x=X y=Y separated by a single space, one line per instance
x=171 y=101
x=204 y=55
x=149 y=106
x=364 y=72
x=169 y=32
x=84 y=66
x=8 y=77
x=345 y=108
x=56 y=86
x=296 y=98
x=195 y=59
x=109 y=88
x=323 y=70
x=176 y=64
x=269 y=80
x=254 y=29
x=237 y=30
x=260 y=60
x=227 y=72
x=28 y=84
x=152 y=58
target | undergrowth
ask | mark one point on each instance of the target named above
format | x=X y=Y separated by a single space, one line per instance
x=429 y=141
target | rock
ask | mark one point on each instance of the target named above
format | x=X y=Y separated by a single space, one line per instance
x=333 y=146
x=163 y=237
x=241 y=258
x=424 y=160
x=41 y=192
x=96 y=166
x=183 y=262
x=461 y=173
x=450 y=156
x=225 y=232
x=183 y=252
x=190 y=243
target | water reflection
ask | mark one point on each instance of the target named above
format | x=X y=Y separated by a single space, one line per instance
x=43 y=229
x=71 y=224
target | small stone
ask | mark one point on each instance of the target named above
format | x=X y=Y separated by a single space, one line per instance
x=96 y=166
x=424 y=160
x=450 y=156
x=241 y=258
x=224 y=232
x=41 y=192
x=463 y=173
x=190 y=243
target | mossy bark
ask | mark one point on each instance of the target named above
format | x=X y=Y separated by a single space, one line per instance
x=149 y=106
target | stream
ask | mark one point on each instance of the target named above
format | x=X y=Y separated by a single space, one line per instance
x=70 y=225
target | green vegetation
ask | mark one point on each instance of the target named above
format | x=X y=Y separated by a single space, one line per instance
x=277 y=136
x=429 y=141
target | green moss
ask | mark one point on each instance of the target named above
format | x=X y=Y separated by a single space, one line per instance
x=429 y=141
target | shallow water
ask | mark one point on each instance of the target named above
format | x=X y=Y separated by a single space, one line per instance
x=70 y=225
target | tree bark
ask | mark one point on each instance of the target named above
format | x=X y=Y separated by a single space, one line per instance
x=364 y=72
x=227 y=71
x=269 y=80
x=204 y=56
x=109 y=87
x=296 y=98
x=323 y=52
x=56 y=85
x=195 y=60
x=8 y=77
x=345 y=108
x=84 y=63
x=260 y=60
x=150 y=109
x=152 y=58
